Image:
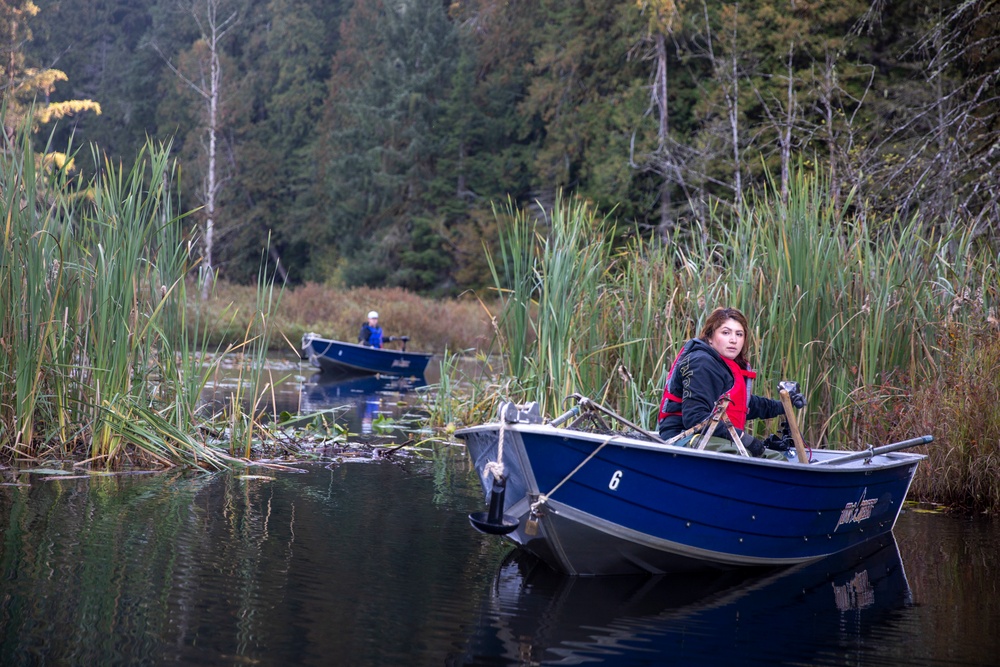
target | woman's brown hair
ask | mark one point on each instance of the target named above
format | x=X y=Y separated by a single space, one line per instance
x=717 y=318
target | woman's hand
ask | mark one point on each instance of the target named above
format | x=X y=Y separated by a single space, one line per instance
x=752 y=445
x=794 y=393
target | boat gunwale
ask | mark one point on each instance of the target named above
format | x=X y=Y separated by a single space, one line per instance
x=880 y=461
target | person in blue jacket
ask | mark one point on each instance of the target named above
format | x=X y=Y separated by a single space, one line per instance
x=371 y=333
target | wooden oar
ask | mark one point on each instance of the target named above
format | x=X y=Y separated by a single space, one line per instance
x=800 y=447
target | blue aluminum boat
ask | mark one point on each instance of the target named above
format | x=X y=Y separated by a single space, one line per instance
x=592 y=503
x=339 y=358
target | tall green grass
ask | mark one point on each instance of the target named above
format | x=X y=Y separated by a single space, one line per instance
x=836 y=301
x=550 y=281
x=99 y=355
x=256 y=383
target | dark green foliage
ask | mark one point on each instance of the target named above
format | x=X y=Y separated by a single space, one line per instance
x=106 y=61
x=343 y=123
x=384 y=134
x=424 y=259
x=278 y=101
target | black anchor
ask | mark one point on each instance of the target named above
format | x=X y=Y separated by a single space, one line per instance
x=494 y=522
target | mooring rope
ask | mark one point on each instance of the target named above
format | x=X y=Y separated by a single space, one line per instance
x=543 y=498
x=496 y=467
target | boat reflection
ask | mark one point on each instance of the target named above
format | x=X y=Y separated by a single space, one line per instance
x=367 y=397
x=789 y=616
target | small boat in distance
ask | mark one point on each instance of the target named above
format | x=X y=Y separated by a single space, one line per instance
x=603 y=501
x=339 y=358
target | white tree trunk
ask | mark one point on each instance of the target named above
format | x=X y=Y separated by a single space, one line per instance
x=211 y=187
x=205 y=14
x=212 y=32
x=663 y=134
x=733 y=108
x=785 y=133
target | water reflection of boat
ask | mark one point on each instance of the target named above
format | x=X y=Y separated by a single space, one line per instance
x=366 y=396
x=321 y=389
x=538 y=616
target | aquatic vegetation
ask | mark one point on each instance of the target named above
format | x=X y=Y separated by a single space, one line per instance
x=98 y=349
x=959 y=402
x=456 y=398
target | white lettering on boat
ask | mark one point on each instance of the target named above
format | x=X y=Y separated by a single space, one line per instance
x=615 y=479
x=857 y=593
x=857 y=512
x=400 y=363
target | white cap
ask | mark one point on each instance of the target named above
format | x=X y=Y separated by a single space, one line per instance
x=373 y=314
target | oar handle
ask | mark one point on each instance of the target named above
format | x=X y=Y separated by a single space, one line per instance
x=572 y=412
x=875 y=451
x=793 y=427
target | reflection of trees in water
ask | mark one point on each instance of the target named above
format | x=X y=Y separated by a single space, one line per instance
x=92 y=552
x=953 y=572
x=376 y=562
x=203 y=569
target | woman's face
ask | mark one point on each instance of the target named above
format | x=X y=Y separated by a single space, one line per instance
x=728 y=339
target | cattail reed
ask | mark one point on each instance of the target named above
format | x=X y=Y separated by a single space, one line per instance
x=95 y=343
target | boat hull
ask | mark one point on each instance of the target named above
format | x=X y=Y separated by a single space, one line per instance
x=339 y=358
x=635 y=506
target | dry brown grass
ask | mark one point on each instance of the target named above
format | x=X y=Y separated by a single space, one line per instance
x=959 y=404
x=431 y=324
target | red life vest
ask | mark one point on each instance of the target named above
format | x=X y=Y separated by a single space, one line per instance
x=739 y=395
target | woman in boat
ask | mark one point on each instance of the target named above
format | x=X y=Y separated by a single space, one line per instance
x=371 y=333
x=709 y=366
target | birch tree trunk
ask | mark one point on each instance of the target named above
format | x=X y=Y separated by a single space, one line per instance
x=733 y=111
x=786 y=131
x=209 y=88
x=211 y=186
x=663 y=134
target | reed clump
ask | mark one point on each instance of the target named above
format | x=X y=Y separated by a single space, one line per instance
x=551 y=284
x=99 y=354
x=844 y=304
x=958 y=402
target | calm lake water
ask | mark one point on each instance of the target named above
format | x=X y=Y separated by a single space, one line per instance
x=373 y=562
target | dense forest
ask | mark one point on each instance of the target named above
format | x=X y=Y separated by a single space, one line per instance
x=367 y=142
